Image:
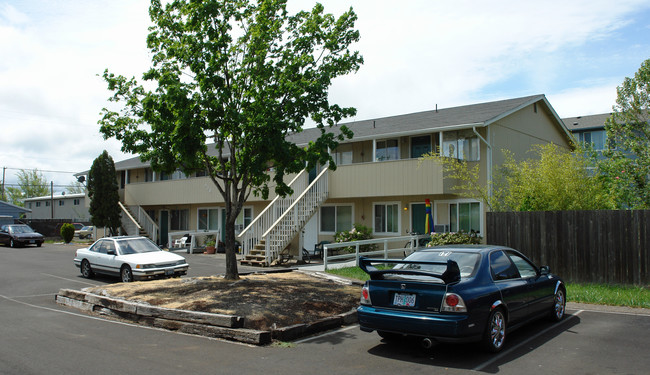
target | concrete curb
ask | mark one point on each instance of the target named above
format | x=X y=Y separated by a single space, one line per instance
x=222 y=326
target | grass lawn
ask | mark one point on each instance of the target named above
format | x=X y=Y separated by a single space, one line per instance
x=613 y=295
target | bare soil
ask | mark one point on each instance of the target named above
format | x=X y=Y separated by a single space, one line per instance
x=264 y=300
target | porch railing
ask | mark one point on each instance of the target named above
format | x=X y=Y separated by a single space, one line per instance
x=146 y=222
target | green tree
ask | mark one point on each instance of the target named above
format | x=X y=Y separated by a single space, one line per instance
x=31 y=183
x=626 y=168
x=553 y=179
x=243 y=75
x=103 y=193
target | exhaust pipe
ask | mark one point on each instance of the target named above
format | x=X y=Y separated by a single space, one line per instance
x=427 y=343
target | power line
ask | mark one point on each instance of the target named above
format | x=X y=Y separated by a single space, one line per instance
x=38 y=170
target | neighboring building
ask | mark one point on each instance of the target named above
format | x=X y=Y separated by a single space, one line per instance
x=65 y=206
x=379 y=182
x=11 y=211
x=589 y=130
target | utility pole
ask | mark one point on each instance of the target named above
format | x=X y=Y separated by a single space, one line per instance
x=4 y=169
x=52 y=198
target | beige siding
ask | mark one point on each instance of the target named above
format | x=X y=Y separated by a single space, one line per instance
x=521 y=130
x=393 y=178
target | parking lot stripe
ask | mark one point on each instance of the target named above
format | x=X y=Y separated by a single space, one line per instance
x=73 y=280
x=506 y=352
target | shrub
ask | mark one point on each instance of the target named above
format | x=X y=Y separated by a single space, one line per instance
x=67 y=232
x=357 y=233
x=454 y=238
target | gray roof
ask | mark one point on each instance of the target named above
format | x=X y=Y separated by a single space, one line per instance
x=467 y=116
x=9 y=209
x=482 y=114
x=591 y=122
x=58 y=196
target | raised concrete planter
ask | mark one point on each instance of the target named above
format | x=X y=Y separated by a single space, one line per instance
x=227 y=327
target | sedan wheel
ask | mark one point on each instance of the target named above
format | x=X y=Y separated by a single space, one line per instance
x=559 y=306
x=12 y=243
x=127 y=274
x=495 y=333
x=86 y=271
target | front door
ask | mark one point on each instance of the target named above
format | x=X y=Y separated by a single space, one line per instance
x=164 y=226
x=418 y=217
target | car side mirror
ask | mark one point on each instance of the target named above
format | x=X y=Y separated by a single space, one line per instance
x=545 y=270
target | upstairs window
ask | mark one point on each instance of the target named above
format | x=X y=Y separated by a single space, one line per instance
x=343 y=155
x=387 y=149
x=461 y=145
x=596 y=138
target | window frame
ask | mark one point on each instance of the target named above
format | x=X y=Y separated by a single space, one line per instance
x=385 y=140
x=336 y=216
x=398 y=214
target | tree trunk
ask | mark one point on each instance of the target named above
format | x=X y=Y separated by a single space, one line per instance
x=231 y=247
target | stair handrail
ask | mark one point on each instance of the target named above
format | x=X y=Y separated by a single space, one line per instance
x=272 y=253
x=252 y=234
x=129 y=217
x=268 y=207
x=295 y=202
x=148 y=223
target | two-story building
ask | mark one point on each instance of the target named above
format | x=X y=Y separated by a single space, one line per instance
x=379 y=182
x=71 y=207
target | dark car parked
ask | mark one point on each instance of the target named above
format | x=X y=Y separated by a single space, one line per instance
x=16 y=235
x=459 y=293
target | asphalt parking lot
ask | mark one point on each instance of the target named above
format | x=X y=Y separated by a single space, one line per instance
x=38 y=336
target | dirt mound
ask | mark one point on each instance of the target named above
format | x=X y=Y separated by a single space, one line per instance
x=264 y=300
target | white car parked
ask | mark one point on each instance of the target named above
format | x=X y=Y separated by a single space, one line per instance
x=130 y=258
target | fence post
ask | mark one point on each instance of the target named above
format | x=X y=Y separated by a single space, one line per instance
x=385 y=249
x=357 y=255
x=325 y=257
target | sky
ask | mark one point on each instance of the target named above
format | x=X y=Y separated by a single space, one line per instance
x=418 y=54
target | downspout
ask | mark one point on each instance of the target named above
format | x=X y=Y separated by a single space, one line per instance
x=489 y=159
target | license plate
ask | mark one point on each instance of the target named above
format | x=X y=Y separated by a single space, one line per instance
x=32 y=241
x=169 y=272
x=404 y=299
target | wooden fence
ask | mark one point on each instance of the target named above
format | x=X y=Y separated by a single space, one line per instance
x=580 y=246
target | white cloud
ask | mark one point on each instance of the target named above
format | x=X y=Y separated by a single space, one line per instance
x=418 y=53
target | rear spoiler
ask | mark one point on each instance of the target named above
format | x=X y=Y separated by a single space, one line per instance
x=451 y=274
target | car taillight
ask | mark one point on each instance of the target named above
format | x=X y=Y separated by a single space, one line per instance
x=453 y=303
x=365 y=296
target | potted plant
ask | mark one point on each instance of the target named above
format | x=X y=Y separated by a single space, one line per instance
x=210 y=243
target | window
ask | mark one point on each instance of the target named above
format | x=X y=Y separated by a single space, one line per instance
x=387 y=150
x=47 y=203
x=335 y=218
x=61 y=203
x=75 y=202
x=525 y=268
x=465 y=217
x=148 y=175
x=208 y=218
x=343 y=155
x=502 y=267
x=176 y=175
x=596 y=138
x=244 y=219
x=386 y=218
x=420 y=146
x=462 y=145
x=179 y=220
x=38 y=204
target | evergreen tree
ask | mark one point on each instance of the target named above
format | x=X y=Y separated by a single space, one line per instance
x=103 y=194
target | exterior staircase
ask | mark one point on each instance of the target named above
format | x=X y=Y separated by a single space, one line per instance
x=136 y=222
x=283 y=219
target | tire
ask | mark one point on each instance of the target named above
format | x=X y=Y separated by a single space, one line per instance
x=559 y=305
x=408 y=249
x=126 y=274
x=12 y=243
x=39 y=244
x=495 y=331
x=86 y=270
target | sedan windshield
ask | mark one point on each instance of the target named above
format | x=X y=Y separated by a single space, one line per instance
x=136 y=246
x=20 y=229
x=467 y=262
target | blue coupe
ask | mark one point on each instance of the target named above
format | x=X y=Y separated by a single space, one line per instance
x=458 y=293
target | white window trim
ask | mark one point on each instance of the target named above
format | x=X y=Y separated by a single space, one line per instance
x=209 y=208
x=333 y=205
x=399 y=218
x=457 y=201
x=374 y=149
